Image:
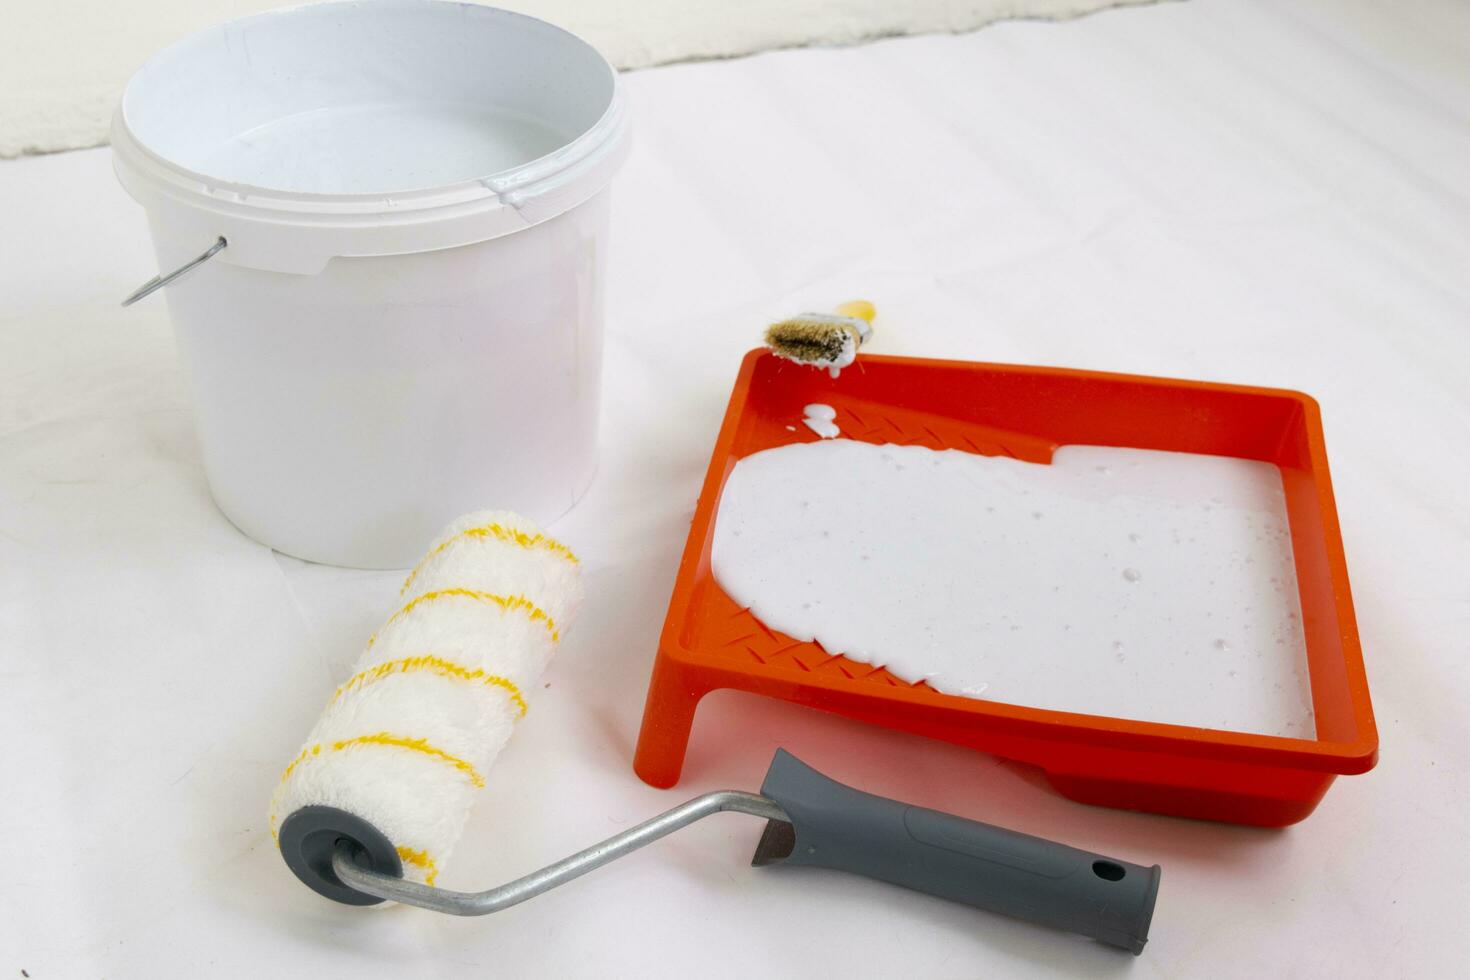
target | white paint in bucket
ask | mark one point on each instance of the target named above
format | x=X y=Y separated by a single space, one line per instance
x=406 y=324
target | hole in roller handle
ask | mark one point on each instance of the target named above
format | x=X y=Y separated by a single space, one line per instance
x=158 y=282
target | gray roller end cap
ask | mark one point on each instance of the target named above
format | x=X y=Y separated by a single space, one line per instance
x=308 y=838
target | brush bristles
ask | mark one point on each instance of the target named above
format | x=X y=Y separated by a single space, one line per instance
x=812 y=340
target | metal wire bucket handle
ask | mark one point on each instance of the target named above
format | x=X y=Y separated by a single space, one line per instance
x=158 y=282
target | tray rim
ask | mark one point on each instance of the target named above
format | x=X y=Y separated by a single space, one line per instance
x=1319 y=755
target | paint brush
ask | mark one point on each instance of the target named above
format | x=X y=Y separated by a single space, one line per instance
x=824 y=340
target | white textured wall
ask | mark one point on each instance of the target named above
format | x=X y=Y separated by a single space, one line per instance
x=63 y=62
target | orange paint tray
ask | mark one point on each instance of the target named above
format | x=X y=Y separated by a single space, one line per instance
x=709 y=642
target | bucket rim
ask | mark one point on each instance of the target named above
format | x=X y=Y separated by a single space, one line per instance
x=500 y=182
x=299 y=231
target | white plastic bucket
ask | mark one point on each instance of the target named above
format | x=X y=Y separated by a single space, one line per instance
x=406 y=321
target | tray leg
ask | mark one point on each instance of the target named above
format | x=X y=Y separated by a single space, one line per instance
x=668 y=715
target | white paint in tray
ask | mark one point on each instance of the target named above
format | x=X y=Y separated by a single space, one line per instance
x=821 y=419
x=1123 y=582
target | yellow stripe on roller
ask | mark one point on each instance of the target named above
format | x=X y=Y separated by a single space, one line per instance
x=420 y=745
x=433 y=664
x=419 y=859
x=499 y=532
x=306 y=751
x=506 y=602
x=309 y=750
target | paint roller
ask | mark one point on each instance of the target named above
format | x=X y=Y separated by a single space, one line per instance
x=371 y=807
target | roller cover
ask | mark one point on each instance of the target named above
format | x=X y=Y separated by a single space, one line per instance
x=407 y=739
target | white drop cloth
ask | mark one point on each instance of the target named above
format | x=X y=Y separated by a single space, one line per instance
x=1261 y=192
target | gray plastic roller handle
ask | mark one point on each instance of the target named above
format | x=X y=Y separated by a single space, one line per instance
x=961 y=860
